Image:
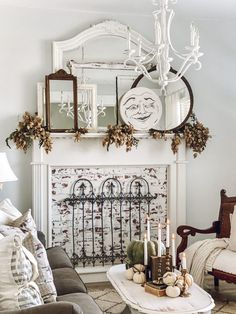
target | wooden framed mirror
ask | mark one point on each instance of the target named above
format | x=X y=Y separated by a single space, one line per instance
x=177 y=102
x=61 y=102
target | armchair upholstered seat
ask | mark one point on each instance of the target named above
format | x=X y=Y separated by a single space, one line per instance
x=224 y=266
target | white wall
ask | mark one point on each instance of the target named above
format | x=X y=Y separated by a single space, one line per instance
x=26 y=36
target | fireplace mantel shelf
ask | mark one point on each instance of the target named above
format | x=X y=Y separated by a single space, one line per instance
x=101 y=135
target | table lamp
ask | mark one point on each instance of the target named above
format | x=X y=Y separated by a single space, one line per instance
x=6 y=173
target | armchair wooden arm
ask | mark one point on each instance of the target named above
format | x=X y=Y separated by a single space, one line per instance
x=184 y=231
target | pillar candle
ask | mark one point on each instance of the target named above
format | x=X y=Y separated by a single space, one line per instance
x=173 y=250
x=145 y=253
x=184 y=262
x=167 y=233
x=159 y=240
x=148 y=229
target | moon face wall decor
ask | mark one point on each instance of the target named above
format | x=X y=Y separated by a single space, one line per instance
x=141 y=107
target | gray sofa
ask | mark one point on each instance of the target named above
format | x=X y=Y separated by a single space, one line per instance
x=72 y=293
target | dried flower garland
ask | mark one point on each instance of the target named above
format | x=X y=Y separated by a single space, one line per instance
x=29 y=129
x=193 y=132
x=120 y=135
x=78 y=133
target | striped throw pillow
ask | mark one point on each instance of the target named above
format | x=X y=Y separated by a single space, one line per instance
x=18 y=272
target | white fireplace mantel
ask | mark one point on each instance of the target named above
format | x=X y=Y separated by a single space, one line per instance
x=90 y=152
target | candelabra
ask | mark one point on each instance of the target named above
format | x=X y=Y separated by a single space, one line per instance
x=159 y=54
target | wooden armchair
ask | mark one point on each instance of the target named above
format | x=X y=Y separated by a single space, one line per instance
x=221 y=228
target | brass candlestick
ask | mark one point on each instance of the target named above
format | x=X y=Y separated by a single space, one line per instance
x=185 y=292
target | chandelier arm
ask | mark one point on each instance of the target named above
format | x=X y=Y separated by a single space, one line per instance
x=179 y=74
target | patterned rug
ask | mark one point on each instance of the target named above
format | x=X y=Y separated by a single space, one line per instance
x=110 y=302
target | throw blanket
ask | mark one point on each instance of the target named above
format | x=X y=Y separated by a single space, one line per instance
x=201 y=256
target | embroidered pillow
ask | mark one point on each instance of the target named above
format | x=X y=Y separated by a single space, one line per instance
x=232 y=239
x=25 y=223
x=8 y=212
x=45 y=279
x=9 y=230
x=17 y=274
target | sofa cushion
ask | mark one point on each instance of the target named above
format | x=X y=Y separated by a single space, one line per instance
x=226 y=262
x=67 y=281
x=86 y=303
x=58 y=258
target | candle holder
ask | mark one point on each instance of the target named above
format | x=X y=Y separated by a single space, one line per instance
x=158 y=276
x=168 y=260
x=184 y=292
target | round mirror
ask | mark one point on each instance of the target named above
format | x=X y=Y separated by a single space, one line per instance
x=177 y=102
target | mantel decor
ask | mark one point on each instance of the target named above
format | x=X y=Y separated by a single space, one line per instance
x=120 y=135
x=29 y=129
x=61 y=97
x=194 y=133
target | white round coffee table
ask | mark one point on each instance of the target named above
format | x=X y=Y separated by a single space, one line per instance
x=139 y=301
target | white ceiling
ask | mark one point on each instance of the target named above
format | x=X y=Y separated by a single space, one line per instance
x=222 y=9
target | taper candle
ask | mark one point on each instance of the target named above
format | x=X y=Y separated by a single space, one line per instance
x=148 y=228
x=145 y=253
x=173 y=250
x=184 y=262
x=159 y=239
x=167 y=233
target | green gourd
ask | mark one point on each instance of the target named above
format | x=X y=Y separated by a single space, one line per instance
x=135 y=251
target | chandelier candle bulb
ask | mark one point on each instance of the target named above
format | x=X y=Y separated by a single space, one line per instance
x=184 y=262
x=159 y=240
x=167 y=233
x=139 y=47
x=148 y=228
x=145 y=250
x=173 y=250
x=129 y=39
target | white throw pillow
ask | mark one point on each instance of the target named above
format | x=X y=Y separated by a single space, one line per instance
x=232 y=239
x=8 y=212
x=17 y=274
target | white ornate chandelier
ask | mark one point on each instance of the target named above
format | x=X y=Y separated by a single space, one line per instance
x=160 y=53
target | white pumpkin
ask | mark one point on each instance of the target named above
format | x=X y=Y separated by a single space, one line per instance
x=129 y=273
x=169 y=278
x=173 y=291
x=139 y=278
x=189 y=279
x=180 y=283
x=139 y=268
